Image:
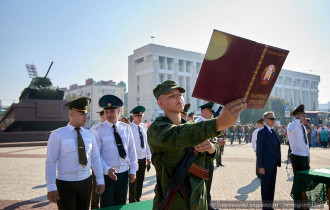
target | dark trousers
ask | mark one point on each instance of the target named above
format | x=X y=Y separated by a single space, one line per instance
x=209 y=165
x=95 y=197
x=299 y=163
x=257 y=168
x=135 y=188
x=74 y=195
x=218 y=160
x=115 y=192
x=268 y=181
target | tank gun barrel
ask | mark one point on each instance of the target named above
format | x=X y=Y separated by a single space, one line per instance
x=49 y=69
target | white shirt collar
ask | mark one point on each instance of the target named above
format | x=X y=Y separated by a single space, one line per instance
x=269 y=128
x=110 y=124
x=72 y=128
x=133 y=123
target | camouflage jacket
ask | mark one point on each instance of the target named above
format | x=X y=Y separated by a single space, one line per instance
x=167 y=143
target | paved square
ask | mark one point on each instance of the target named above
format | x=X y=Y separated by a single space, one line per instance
x=22 y=177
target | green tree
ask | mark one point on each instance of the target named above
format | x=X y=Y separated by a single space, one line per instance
x=274 y=104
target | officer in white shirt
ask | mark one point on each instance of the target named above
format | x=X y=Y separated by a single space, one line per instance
x=260 y=124
x=297 y=135
x=139 y=130
x=71 y=151
x=117 y=149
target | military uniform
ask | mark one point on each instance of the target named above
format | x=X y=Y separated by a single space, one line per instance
x=117 y=151
x=71 y=151
x=168 y=143
x=142 y=152
x=208 y=163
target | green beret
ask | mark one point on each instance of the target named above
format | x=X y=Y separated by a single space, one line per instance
x=138 y=111
x=207 y=106
x=166 y=87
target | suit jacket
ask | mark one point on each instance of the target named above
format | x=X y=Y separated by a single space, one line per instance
x=268 y=149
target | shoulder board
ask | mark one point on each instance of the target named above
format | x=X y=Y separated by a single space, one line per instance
x=56 y=130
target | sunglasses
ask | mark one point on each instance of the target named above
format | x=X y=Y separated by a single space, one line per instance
x=271 y=118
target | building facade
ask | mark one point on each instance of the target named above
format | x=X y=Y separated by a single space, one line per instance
x=153 y=64
x=95 y=90
x=325 y=107
x=298 y=88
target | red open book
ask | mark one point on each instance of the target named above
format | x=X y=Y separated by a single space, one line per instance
x=236 y=67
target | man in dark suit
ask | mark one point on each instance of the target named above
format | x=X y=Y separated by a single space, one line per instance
x=268 y=157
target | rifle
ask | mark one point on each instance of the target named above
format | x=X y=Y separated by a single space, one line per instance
x=177 y=184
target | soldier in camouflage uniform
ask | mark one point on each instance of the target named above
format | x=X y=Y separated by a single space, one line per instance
x=169 y=135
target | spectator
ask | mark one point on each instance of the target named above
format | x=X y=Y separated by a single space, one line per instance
x=314 y=133
x=324 y=138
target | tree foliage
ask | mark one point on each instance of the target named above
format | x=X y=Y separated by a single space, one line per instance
x=274 y=104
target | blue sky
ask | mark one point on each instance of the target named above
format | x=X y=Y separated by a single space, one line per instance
x=93 y=39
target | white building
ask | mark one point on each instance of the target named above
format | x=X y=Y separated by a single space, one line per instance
x=298 y=88
x=95 y=90
x=152 y=64
x=325 y=107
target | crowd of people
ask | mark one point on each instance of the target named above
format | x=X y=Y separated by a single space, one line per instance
x=318 y=135
x=100 y=167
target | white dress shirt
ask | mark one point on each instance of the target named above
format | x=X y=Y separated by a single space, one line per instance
x=254 y=139
x=200 y=119
x=108 y=148
x=141 y=152
x=62 y=160
x=296 y=138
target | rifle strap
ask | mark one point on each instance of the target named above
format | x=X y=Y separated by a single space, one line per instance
x=199 y=171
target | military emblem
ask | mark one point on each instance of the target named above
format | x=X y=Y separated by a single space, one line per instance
x=268 y=75
x=109 y=104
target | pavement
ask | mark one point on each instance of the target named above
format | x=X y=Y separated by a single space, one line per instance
x=22 y=177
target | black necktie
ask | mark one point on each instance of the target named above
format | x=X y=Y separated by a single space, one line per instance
x=141 y=137
x=304 y=132
x=119 y=143
x=273 y=131
x=81 y=149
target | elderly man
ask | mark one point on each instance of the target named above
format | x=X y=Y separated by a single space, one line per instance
x=268 y=158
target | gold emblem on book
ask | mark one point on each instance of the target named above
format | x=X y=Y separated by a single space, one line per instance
x=268 y=75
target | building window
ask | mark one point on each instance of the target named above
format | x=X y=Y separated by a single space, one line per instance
x=188 y=65
x=161 y=62
x=161 y=78
x=169 y=77
x=170 y=63
x=181 y=81
x=188 y=89
x=181 y=65
x=198 y=67
x=140 y=60
x=138 y=85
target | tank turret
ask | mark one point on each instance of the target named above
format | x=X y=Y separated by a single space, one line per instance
x=41 y=88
